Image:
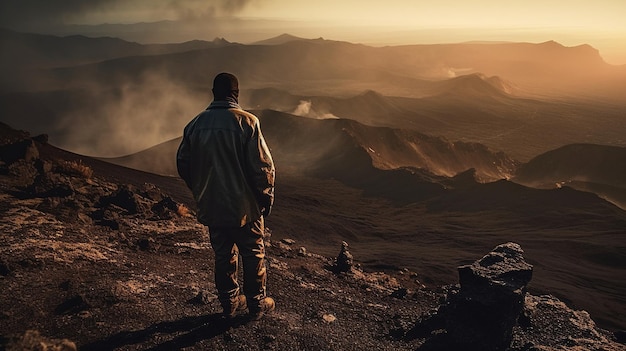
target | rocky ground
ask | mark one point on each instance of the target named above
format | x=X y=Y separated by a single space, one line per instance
x=88 y=262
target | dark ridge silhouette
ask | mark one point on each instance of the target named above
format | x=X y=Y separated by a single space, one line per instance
x=506 y=194
x=9 y=135
x=600 y=169
x=602 y=164
x=27 y=59
x=29 y=49
x=616 y=195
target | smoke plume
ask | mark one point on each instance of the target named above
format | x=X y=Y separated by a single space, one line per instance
x=131 y=118
x=305 y=109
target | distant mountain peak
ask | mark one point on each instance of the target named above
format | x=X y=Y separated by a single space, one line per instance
x=501 y=84
x=287 y=36
x=220 y=41
x=476 y=84
x=371 y=93
x=278 y=40
x=551 y=43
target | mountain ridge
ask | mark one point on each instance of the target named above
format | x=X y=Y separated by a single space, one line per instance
x=295 y=138
x=585 y=162
x=588 y=167
x=328 y=59
x=62 y=50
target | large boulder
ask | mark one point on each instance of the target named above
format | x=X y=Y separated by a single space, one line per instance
x=481 y=313
x=19 y=150
x=481 y=316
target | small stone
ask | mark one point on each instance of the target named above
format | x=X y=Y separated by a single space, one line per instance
x=329 y=318
x=74 y=304
x=84 y=314
x=302 y=251
x=148 y=244
x=400 y=293
x=282 y=246
x=203 y=297
x=5 y=268
x=288 y=241
x=269 y=338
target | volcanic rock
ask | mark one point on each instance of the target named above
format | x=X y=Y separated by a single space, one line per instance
x=126 y=198
x=482 y=315
x=19 y=150
x=165 y=208
x=344 y=260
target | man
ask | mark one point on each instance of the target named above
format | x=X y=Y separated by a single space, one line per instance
x=224 y=160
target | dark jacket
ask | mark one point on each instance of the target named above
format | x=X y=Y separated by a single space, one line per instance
x=226 y=163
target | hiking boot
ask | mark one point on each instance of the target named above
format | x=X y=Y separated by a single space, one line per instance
x=266 y=305
x=237 y=305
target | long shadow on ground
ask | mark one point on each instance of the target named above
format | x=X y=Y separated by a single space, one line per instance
x=186 y=331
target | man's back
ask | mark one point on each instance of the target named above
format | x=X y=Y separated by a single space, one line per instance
x=227 y=165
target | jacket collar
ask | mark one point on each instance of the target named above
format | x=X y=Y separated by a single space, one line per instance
x=228 y=103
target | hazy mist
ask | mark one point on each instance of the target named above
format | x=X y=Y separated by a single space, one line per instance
x=138 y=116
x=110 y=122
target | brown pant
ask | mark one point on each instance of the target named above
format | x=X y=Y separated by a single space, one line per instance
x=228 y=244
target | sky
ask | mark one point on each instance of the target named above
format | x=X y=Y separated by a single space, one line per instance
x=599 y=23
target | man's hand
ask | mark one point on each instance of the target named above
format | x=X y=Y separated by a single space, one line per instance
x=266 y=208
x=265 y=211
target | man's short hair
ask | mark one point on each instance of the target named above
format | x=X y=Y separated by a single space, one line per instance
x=225 y=85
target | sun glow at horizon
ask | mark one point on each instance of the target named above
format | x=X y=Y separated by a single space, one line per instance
x=599 y=23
